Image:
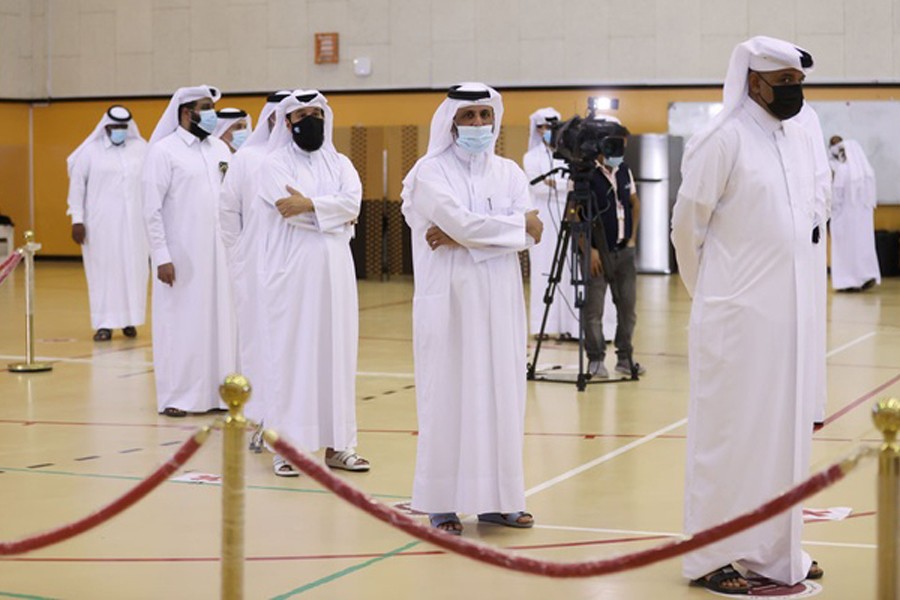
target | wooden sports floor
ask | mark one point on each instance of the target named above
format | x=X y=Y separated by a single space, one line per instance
x=604 y=468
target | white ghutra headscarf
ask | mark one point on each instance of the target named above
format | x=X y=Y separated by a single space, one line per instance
x=114 y=115
x=441 y=137
x=542 y=116
x=762 y=54
x=169 y=121
x=281 y=134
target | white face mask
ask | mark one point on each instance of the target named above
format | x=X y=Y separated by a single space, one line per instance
x=474 y=139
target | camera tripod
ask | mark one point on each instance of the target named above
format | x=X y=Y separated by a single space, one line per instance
x=574 y=239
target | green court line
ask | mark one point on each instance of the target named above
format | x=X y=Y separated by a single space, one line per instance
x=23 y=596
x=133 y=478
x=347 y=571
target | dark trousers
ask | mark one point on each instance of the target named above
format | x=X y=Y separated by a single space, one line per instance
x=623 y=274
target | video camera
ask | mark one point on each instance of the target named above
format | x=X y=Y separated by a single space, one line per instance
x=581 y=140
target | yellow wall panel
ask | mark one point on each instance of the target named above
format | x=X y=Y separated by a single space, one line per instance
x=14 y=165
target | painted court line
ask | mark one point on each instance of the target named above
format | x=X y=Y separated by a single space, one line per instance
x=840 y=349
x=605 y=458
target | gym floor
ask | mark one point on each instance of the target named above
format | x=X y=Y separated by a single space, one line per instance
x=604 y=467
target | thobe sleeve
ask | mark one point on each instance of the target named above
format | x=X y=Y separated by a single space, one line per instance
x=521 y=203
x=157 y=178
x=230 y=219
x=435 y=202
x=334 y=211
x=704 y=177
x=78 y=181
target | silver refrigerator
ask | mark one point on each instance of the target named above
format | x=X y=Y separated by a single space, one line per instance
x=655 y=161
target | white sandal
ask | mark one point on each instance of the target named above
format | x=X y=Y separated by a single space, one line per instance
x=348 y=460
x=283 y=468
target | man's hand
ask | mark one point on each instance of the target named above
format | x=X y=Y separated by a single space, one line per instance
x=596 y=264
x=166 y=273
x=533 y=225
x=79 y=233
x=437 y=238
x=550 y=182
x=295 y=204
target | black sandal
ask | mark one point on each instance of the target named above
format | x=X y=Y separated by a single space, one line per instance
x=715 y=581
x=815 y=571
x=103 y=335
x=446 y=522
x=130 y=331
x=171 y=411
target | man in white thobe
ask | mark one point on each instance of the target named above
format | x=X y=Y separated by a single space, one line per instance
x=310 y=285
x=744 y=231
x=549 y=198
x=193 y=319
x=854 y=261
x=470 y=214
x=244 y=222
x=233 y=126
x=105 y=206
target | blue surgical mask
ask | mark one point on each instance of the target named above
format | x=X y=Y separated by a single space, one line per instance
x=238 y=137
x=547 y=135
x=474 y=139
x=208 y=120
x=117 y=136
x=613 y=161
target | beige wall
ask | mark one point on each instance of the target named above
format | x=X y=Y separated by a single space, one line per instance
x=79 y=48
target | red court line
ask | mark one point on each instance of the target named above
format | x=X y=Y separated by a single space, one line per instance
x=302 y=557
x=110 y=351
x=860 y=400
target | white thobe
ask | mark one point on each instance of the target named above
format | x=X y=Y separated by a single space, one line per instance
x=193 y=320
x=854 y=260
x=245 y=221
x=562 y=316
x=105 y=195
x=469 y=331
x=742 y=230
x=311 y=300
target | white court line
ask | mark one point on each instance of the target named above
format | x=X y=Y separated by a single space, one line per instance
x=850 y=344
x=83 y=361
x=605 y=458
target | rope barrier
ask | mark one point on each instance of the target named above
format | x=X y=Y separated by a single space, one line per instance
x=493 y=556
x=9 y=265
x=54 y=536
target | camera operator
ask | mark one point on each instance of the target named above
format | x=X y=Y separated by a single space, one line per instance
x=617 y=211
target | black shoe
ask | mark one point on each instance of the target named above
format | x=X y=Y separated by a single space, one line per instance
x=130 y=331
x=867 y=285
x=103 y=335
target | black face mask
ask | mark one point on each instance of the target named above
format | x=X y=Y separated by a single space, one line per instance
x=788 y=100
x=309 y=133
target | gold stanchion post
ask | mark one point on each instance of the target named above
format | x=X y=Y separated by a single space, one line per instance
x=234 y=392
x=886 y=415
x=30 y=365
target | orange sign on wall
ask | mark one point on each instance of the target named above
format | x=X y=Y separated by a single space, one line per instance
x=326 y=48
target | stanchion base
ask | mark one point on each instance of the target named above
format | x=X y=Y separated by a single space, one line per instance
x=34 y=367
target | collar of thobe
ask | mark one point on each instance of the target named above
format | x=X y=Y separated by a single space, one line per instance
x=469 y=159
x=766 y=121
x=186 y=136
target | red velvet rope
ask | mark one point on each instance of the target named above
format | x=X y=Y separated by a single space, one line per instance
x=9 y=265
x=54 y=536
x=490 y=555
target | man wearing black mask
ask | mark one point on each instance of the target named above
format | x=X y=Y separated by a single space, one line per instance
x=310 y=285
x=745 y=233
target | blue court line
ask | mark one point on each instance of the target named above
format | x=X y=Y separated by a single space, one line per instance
x=347 y=571
x=133 y=478
x=23 y=596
